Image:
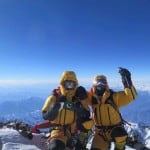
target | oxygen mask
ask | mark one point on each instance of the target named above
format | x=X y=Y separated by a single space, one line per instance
x=69 y=84
x=100 y=86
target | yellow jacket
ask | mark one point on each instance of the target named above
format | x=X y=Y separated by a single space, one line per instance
x=105 y=114
x=66 y=117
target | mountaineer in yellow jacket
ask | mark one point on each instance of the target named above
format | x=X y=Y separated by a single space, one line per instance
x=68 y=111
x=107 y=118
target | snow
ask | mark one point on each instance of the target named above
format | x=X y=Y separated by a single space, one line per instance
x=147 y=137
x=12 y=140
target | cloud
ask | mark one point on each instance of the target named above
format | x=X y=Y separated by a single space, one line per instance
x=143 y=85
x=25 y=82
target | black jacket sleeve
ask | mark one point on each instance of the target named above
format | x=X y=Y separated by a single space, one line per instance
x=52 y=113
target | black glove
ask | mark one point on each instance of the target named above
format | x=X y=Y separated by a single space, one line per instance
x=126 y=77
x=52 y=113
x=82 y=113
x=55 y=93
x=81 y=93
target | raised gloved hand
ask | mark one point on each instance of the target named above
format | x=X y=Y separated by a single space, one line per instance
x=126 y=77
x=81 y=93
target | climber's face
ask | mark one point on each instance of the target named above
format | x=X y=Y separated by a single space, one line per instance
x=69 y=84
x=100 y=86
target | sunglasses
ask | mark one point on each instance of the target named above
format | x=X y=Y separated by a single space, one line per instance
x=69 y=84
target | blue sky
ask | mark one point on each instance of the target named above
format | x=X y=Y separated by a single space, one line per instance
x=39 y=39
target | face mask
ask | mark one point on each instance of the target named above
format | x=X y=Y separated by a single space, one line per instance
x=69 y=84
x=99 y=90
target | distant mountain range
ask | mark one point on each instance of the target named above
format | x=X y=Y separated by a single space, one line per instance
x=29 y=110
x=138 y=111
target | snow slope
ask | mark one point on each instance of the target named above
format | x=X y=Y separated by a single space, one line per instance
x=12 y=140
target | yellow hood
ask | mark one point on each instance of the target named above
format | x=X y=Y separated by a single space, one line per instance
x=68 y=75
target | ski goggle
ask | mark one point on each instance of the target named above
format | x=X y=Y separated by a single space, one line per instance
x=69 y=84
x=100 y=82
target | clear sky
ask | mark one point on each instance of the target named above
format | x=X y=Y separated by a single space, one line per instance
x=39 y=39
